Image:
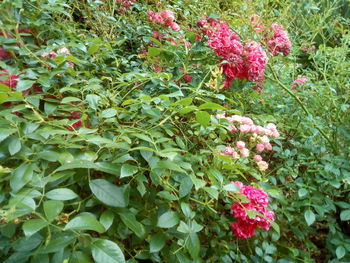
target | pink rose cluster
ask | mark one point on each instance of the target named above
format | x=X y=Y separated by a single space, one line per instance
x=165 y=17
x=261 y=217
x=258 y=140
x=60 y=51
x=244 y=60
x=124 y=5
x=279 y=42
x=299 y=81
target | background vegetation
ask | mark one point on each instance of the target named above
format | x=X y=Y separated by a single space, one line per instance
x=109 y=155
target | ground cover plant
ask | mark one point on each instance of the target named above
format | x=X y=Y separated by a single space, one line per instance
x=174 y=131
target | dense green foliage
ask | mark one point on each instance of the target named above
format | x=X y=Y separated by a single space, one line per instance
x=108 y=155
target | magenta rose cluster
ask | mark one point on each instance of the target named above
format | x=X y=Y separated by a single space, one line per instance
x=279 y=42
x=240 y=60
x=253 y=214
x=258 y=138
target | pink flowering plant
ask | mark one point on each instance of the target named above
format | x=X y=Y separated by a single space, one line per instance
x=172 y=131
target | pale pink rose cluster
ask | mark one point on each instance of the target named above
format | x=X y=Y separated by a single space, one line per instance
x=244 y=60
x=165 y=17
x=258 y=138
x=124 y=5
x=279 y=42
x=60 y=51
x=245 y=226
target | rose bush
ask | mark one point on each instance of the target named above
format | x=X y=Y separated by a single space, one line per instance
x=143 y=131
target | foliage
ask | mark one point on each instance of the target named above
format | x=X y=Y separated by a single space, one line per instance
x=111 y=150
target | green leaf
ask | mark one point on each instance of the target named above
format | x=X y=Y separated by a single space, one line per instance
x=75 y=164
x=108 y=113
x=108 y=193
x=275 y=227
x=52 y=209
x=14 y=146
x=93 y=100
x=130 y=221
x=23 y=85
x=187 y=110
x=21 y=176
x=157 y=242
x=93 y=48
x=3 y=97
x=302 y=192
x=345 y=215
x=128 y=170
x=79 y=257
x=61 y=194
x=4 y=133
x=231 y=188
x=85 y=222
x=184 y=102
x=105 y=251
x=153 y=51
x=168 y=220
x=106 y=219
x=340 y=252
x=211 y=106
x=4 y=88
x=213 y=193
x=70 y=99
x=58 y=242
x=309 y=217
x=108 y=167
x=32 y=226
x=203 y=117
x=169 y=165
x=193 y=245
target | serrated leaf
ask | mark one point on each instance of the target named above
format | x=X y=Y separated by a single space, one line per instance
x=85 y=222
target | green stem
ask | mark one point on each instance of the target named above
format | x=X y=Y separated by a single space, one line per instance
x=276 y=79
